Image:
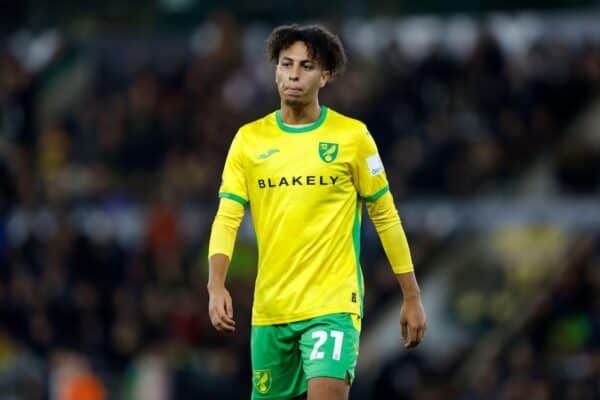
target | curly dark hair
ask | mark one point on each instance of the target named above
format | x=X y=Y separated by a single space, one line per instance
x=323 y=46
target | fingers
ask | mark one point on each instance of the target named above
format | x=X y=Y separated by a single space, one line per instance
x=412 y=338
x=421 y=333
x=415 y=336
x=225 y=324
x=222 y=322
x=229 y=307
x=221 y=315
x=404 y=326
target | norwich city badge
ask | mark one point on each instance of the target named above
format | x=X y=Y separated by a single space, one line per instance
x=328 y=151
x=262 y=380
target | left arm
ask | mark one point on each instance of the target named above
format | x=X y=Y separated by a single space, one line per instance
x=372 y=185
x=384 y=215
x=412 y=313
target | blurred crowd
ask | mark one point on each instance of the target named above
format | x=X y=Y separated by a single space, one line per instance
x=549 y=348
x=557 y=353
x=110 y=161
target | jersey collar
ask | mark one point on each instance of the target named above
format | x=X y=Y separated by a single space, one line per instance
x=302 y=129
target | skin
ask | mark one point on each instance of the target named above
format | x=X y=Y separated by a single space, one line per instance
x=299 y=79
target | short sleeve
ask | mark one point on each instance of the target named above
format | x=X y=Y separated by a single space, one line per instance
x=368 y=172
x=233 y=185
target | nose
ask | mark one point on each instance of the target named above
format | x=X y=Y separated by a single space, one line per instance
x=294 y=74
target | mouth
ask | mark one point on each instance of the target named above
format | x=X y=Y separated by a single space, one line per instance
x=293 y=91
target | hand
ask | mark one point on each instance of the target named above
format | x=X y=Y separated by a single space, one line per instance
x=220 y=309
x=412 y=321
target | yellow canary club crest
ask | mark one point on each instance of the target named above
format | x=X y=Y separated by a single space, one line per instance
x=262 y=380
x=328 y=151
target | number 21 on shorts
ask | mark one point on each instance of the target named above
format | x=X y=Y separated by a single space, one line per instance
x=321 y=337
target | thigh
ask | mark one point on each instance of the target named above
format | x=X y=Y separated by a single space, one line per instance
x=276 y=363
x=329 y=346
x=328 y=388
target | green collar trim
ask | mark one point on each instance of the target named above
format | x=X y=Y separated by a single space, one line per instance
x=302 y=129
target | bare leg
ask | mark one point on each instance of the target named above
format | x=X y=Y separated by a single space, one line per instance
x=328 y=389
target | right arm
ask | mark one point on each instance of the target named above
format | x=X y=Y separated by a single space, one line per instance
x=220 y=248
x=234 y=197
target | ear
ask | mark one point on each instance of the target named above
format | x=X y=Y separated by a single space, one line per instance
x=325 y=76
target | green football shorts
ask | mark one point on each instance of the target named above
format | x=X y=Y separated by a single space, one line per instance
x=286 y=356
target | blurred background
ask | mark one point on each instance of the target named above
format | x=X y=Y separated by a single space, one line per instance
x=115 y=119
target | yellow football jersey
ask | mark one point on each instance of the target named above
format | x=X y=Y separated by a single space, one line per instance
x=305 y=188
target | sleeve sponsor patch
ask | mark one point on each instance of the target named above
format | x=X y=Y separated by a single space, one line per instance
x=375 y=165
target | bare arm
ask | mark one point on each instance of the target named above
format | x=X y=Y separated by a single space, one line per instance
x=393 y=239
x=218 y=264
x=220 y=307
x=412 y=313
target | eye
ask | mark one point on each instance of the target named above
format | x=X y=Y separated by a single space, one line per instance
x=308 y=66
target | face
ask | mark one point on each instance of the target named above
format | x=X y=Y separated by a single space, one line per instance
x=298 y=76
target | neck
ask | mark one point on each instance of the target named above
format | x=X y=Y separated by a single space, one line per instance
x=300 y=114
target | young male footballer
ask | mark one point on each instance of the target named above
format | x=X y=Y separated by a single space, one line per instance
x=305 y=171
